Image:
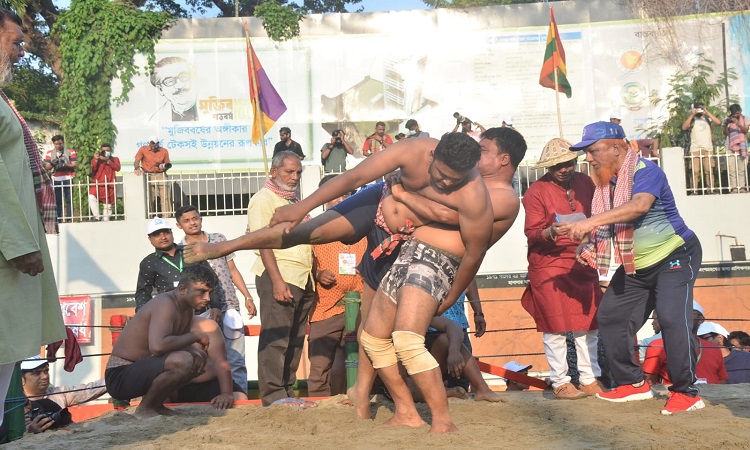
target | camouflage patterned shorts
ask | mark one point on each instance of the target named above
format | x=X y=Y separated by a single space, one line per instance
x=422 y=266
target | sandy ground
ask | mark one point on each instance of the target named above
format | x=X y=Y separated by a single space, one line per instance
x=524 y=420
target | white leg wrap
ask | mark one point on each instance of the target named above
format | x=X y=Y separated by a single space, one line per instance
x=380 y=351
x=412 y=353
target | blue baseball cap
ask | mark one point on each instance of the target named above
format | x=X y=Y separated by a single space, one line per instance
x=598 y=130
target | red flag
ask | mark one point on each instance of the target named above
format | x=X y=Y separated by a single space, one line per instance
x=554 y=60
x=261 y=90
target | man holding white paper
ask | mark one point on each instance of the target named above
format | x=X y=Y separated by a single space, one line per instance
x=562 y=295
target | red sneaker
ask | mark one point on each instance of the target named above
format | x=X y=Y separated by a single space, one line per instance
x=679 y=402
x=627 y=393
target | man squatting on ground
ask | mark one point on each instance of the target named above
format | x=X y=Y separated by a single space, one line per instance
x=164 y=348
x=496 y=166
x=659 y=258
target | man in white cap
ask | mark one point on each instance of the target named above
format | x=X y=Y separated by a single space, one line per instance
x=518 y=368
x=737 y=362
x=615 y=117
x=36 y=386
x=562 y=296
x=154 y=161
x=161 y=270
x=508 y=122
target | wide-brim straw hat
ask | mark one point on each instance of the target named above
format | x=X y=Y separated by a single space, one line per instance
x=555 y=152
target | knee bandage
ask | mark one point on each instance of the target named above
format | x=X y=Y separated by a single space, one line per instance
x=380 y=351
x=412 y=353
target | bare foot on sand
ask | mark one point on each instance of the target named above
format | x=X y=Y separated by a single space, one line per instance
x=440 y=428
x=167 y=412
x=143 y=412
x=361 y=402
x=405 y=420
x=456 y=392
x=488 y=396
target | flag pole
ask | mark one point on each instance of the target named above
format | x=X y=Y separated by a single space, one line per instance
x=256 y=95
x=557 y=100
x=557 y=88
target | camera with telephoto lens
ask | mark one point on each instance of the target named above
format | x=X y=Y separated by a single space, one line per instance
x=165 y=166
x=336 y=135
x=59 y=418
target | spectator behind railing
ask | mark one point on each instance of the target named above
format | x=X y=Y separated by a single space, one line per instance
x=698 y=127
x=333 y=154
x=154 y=161
x=62 y=162
x=735 y=130
x=103 y=168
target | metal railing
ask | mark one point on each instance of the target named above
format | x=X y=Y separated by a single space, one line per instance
x=225 y=193
x=90 y=200
x=722 y=173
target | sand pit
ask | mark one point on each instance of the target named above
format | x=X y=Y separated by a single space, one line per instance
x=525 y=420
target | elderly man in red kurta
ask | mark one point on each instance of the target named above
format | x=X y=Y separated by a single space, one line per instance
x=562 y=295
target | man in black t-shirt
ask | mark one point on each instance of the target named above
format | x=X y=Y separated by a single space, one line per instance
x=287 y=144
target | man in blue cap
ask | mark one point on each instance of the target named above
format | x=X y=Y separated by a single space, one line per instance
x=634 y=209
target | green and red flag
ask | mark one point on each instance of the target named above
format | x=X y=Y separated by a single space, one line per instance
x=554 y=61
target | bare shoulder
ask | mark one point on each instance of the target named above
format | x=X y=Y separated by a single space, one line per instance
x=505 y=202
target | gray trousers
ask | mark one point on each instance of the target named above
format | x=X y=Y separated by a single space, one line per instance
x=282 y=336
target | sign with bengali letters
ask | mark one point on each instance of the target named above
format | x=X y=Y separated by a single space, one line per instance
x=76 y=313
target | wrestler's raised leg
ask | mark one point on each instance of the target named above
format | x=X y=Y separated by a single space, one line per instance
x=380 y=326
x=327 y=227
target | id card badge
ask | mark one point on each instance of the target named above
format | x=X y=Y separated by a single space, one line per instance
x=347 y=264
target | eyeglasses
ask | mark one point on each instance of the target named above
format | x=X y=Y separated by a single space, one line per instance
x=171 y=81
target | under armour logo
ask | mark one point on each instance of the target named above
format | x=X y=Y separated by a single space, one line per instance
x=675 y=264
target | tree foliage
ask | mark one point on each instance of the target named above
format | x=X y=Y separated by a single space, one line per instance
x=281 y=23
x=98 y=41
x=35 y=91
x=697 y=84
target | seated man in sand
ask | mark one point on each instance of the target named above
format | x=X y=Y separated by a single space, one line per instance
x=455 y=359
x=160 y=351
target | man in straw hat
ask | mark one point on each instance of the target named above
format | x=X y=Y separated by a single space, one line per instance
x=562 y=295
x=633 y=209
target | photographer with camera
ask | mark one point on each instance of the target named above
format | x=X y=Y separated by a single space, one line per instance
x=48 y=408
x=698 y=127
x=735 y=129
x=62 y=163
x=377 y=141
x=103 y=172
x=465 y=123
x=333 y=154
x=154 y=161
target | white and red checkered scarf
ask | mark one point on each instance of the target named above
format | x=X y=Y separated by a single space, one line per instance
x=43 y=189
x=597 y=252
x=286 y=195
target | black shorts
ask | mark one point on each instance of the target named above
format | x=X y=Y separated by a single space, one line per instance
x=133 y=380
x=360 y=210
x=203 y=392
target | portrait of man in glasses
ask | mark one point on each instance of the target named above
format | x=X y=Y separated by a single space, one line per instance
x=173 y=77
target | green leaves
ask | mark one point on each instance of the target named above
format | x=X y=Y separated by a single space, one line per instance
x=281 y=22
x=699 y=83
x=98 y=41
